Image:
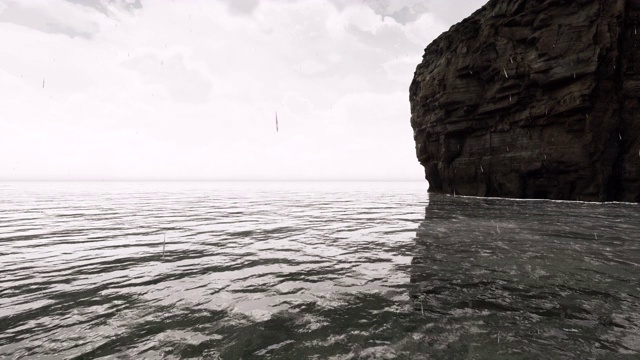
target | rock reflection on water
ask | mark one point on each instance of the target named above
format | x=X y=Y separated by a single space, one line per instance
x=303 y=271
x=531 y=279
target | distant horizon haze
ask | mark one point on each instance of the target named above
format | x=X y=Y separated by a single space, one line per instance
x=160 y=180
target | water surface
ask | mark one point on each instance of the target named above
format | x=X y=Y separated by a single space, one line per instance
x=312 y=270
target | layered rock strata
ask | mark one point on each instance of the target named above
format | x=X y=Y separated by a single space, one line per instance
x=533 y=99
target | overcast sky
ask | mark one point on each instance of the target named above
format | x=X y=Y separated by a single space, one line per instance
x=188 y=90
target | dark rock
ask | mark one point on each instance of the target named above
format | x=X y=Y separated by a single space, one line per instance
x=533 y=99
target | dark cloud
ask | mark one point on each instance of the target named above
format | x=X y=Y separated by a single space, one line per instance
x=401 y=11
x=49 y=19
x=103 y=6
x=408 y=14
x=37 y=19
x=406 y=11
x=242 y=7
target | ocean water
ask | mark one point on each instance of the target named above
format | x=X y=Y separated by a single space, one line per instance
x=312 y=271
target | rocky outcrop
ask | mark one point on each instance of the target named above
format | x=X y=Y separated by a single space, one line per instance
x=533 y=99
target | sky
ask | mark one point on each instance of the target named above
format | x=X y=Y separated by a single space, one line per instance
x=189 y=90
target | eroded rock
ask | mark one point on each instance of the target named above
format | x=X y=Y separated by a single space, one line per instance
x=533 y=99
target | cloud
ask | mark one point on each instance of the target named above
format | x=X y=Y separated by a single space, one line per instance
x=60 y=18
x=105 y=6
x=242 y=7
x=173 y=72
x=189 y=90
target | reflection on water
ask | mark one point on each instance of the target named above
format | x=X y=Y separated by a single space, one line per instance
x=537 y=278
x=311 y=270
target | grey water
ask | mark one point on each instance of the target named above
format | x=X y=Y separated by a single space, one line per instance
x=312 y=271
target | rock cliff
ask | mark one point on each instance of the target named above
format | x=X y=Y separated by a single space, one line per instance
x=533 y=99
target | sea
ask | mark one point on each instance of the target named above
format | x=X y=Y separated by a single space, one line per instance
x=312 y=270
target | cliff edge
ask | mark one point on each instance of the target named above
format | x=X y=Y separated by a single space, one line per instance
x=533 y=99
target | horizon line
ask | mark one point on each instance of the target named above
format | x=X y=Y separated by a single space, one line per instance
x=209 y=180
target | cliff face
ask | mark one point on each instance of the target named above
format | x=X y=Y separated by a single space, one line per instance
x=533 y=99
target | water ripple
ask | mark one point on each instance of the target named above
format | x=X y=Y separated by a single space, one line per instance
x=311 y=270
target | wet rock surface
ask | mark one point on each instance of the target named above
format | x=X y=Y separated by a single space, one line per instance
x=533 y=99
